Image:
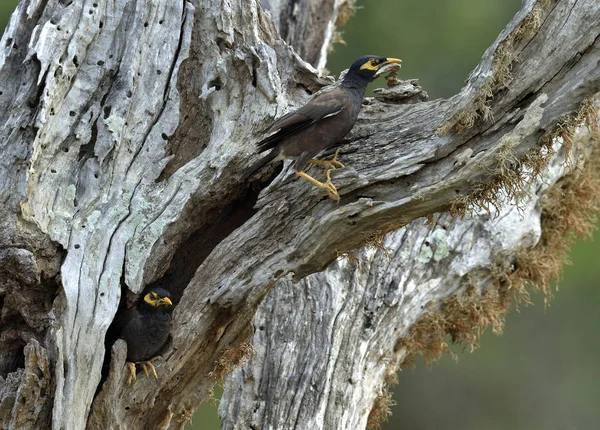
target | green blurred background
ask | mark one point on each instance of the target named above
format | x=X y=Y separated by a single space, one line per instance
x=543 y=372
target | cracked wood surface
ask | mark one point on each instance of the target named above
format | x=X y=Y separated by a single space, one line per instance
x=326 y=348
x=124 y=154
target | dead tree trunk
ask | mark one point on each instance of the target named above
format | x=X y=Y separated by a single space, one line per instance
x=126 y=130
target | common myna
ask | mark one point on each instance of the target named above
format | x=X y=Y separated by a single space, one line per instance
x=145 y=328
x=323 y=121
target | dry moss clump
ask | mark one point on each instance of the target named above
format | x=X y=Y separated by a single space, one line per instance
x=566 y=127
x=500 y=72
x=512 y=177
x=460 y=319
x=374 y=240
x=381 y=411
x=350 y=255
x=568 y=210
x=232 y=358
x=347 y=10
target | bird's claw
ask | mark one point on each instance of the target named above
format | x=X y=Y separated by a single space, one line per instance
x=147 y=367
x=148 y=364
x=330 y=189
x=132 y=371
x=328 y=186
x=329 y=164
x=334 y=161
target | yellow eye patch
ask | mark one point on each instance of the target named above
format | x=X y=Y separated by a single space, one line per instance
x=375 y=64
x=371 y=64
x=155 y=300
x=150 y=299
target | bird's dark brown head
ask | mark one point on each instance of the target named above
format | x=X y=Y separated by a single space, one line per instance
x=156 y=300
x=362 y=70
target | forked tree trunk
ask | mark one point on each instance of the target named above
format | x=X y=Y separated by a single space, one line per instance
x=126 y=128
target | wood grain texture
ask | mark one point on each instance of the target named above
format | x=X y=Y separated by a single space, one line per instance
x=325 y=349
x=126 y=129
x=308 y=26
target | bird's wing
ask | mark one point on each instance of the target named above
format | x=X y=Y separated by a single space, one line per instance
x=323 y=105
x=125 y=317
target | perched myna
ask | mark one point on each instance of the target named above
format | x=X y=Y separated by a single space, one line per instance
x=145 y=328
x=321 y=123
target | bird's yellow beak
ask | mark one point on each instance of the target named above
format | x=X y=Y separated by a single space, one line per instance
x=166 y=301
x=392 y=61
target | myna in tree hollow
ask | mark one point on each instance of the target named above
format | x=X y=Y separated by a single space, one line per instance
x=321 y=123
x=145 y=328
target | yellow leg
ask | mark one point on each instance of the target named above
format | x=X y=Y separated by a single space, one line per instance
x=328 y=164
x=132 y=371
x=327 y=186
x=148 y=365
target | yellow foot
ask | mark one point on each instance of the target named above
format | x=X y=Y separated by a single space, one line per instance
x=148 y=365
x=328 y=186
x=132 y=371
x=329 y=164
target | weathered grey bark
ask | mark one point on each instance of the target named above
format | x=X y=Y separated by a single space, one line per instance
x=307 y=25
x=325 y=348
x=125 y=134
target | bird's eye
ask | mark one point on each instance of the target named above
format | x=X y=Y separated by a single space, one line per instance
x=154 y=296
x=373 y=63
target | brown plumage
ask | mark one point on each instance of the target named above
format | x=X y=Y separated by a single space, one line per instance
x=321 y=123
